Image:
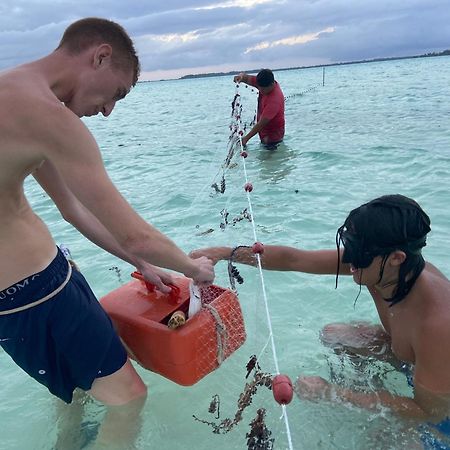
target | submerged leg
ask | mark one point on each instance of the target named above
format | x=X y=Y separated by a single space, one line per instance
x=361 y=343
x=124 y=393
x=121 y=426
x=69 y=420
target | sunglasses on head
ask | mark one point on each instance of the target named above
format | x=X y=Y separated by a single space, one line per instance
x=354 y=251
x=360 y=255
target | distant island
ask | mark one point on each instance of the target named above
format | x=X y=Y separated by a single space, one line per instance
x=220 y=74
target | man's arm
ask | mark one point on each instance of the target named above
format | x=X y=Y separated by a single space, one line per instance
x=75 y=155
x=87 y=224
x=245 y=78
x=262 y=122
x=277 y=257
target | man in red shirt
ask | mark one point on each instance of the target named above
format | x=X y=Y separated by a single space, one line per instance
x=270 y=116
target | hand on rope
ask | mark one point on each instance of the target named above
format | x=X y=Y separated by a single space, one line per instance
x=239 y=78
x=244 y=141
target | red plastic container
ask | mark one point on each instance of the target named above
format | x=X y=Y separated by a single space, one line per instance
x=188 y=353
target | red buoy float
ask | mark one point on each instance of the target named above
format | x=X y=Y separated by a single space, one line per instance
x=257 y=247
x=282 y=389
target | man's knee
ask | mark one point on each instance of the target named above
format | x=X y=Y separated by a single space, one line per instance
x=356 y=334
x=334 y=334
x=134 y=391
x=120 y=395
x=119 y=388
x=137 y=390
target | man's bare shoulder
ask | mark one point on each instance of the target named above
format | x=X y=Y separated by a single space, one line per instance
x=34 y=124
x=28 y=102
x=19 y=87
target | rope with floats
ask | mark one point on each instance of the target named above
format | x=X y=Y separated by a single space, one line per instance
x=281 y=385
x=299 y=94
x=310 y=89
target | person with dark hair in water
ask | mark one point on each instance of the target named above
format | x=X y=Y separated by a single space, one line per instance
x=382 y=244
x=270 y=114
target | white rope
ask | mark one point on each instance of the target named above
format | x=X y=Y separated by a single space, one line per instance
x=221 y=332
x=269 y=319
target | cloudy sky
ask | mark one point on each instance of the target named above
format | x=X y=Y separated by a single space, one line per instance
x=179 y=37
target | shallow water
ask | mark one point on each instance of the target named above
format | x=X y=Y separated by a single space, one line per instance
x=373 y=129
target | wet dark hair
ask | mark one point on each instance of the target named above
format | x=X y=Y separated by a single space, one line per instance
x=265 y=78
x=381 y=226
x=85 y=33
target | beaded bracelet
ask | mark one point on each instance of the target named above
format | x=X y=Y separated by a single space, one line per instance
x=233 y=272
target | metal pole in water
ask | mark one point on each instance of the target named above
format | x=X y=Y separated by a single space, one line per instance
x=323 y=76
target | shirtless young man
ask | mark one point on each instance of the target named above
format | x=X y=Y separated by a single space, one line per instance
x=50 y=322
x=382 y=243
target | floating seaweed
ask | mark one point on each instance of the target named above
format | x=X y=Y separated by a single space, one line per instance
x=259 y=437
x=245 y=399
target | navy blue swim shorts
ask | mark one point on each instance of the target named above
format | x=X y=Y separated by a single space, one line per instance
x=430 y=439
x=65 y=342
x=436 y=436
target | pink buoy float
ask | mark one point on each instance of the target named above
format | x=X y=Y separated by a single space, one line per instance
x=257 y=247
x=282 y=389
x=248 y=187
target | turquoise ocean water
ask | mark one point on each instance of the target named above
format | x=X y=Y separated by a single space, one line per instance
x=373 y=129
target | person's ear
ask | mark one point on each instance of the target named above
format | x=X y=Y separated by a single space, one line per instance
x=397 y=258
x=102 y=55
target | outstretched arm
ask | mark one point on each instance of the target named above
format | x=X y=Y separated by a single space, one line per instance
x=277 y=257
x=245 y=78
x=75 y=155
x=87 y=224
